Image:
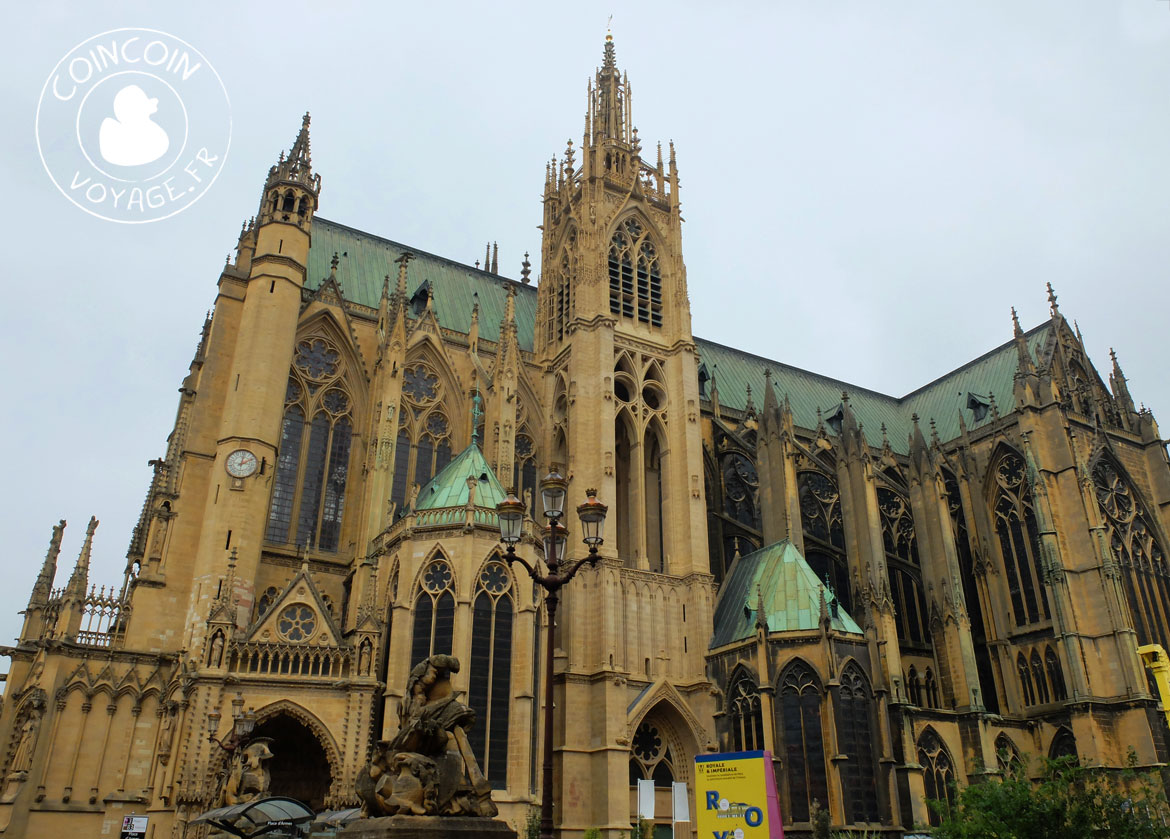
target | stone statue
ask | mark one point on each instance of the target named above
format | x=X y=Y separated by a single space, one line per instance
x=428 y=767
x=248 y=778
x=22 y=758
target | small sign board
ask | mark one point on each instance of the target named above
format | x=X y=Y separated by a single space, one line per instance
x=134 y=827
x=735 y=796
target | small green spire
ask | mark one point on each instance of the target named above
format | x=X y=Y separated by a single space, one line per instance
x=476 y=413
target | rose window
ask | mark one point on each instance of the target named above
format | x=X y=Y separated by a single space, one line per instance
x=494 y=578
x=316 y=359
x=420 y=384
x=437 y=576
x=647 y=742
x=297 y=622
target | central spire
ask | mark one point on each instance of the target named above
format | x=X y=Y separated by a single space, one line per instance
x=609 y=117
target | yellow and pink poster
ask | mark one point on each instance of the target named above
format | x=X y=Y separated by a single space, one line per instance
x=735 y=796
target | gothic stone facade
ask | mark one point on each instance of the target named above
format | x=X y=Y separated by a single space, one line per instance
x=971 y=594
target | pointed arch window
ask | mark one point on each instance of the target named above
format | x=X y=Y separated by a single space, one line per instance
x=635 y=278
x=798 y=719
x=1130 y=534
x=855 y=738
x=1055 y=674
x=1019 y=541
x=1007 y=756
x=903 y=566
x=424 y=439
x=312 y=468
x=434 y=613
x=824 y=532
x=490 y=691
x=1026 y=688
x=938 y=773
x=1064 y=744
x=744 y=715
x=524 y=472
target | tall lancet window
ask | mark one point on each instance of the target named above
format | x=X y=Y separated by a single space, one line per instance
x=1019 y=541
x=423 y=447
x=434 y=613
x=824 y=532
x=1135 y=548
x=856 y=736
x=635 y=278
x=312 y=467
x=489 y=694
x=903 y=567
x=798 y=720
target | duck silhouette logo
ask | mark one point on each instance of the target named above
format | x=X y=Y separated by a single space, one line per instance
x=131 y=137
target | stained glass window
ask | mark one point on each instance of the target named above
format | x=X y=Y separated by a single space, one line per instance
x=855 y=739
x=744 y=715
x=1019 y=541
x=824 y=533
x=490 y=681
x=434 y=613
x=1131 y=539
x=312 y=466
x=902 y=566
x=798 y=720
x=938 y=773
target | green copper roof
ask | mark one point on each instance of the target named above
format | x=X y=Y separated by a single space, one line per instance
x=364 y=260
x=791 y=594
x=450 y=489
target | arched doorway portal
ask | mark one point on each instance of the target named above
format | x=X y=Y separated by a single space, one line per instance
x=299 y=765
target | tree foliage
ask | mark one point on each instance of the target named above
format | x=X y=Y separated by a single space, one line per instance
x=1068 y=802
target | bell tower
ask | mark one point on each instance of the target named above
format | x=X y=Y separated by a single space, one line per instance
x=614 y=327
x=256 y=317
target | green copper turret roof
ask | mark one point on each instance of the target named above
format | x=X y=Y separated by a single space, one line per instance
x=791 y=594
x=450 y=487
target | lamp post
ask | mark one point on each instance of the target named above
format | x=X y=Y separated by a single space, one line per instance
x=559 y=572
x=242 y=729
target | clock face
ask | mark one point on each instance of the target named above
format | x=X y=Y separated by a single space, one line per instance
x=241 y=463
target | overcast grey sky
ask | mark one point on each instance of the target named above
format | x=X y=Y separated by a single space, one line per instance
x=868 y=188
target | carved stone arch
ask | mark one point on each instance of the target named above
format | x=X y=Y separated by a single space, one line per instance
x=35 y=701
x=317 y=728
x=1106 y=454
x=742 y=670
x=1064 y=744
x=566 y=237
x=495 y=555
x=664 y=700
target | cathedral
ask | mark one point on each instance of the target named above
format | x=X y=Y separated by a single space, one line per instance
x=894 y=596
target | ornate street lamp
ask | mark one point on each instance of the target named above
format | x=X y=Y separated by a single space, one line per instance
x=559 y=571
x=242 y=729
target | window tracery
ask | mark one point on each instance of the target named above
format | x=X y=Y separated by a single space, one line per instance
x=855 y=739
x=902 y=566
x=743 y=713
x=524 y=471
x=1135 y=548
x=1007 y=756
x=424 y=441
x=741 y=486
x=265 y=601
x=489 y=694
x=650 y=756
x=312 y=468
x=297 y=622
x=1019 y=541
x=824 y=533
x=635 y=279
x=798 y=719
x=434 y=612
x=938 y=773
